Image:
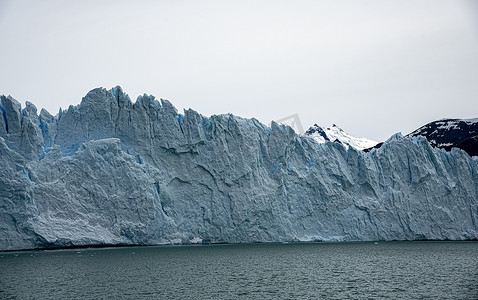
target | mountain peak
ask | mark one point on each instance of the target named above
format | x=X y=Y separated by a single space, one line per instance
x=451 y=133
x=337 y=135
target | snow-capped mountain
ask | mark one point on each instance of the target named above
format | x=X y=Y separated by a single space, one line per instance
x=337 y=135
x=451 y=133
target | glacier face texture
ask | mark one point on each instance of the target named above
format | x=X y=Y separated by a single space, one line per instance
x=108 y=171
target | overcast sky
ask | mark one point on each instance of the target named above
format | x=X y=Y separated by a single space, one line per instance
x=373 y=68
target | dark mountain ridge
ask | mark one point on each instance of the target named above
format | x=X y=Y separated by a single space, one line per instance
x=447 y=134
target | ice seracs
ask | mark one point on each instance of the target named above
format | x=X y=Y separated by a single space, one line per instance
x=110 y=171
x=337 y=135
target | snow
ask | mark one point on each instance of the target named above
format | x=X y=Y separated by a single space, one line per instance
x=474 y=120
x=444 y=144
x=334 y=133
x=448 y=126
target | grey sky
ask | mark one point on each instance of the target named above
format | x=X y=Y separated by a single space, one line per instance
x=372 y=67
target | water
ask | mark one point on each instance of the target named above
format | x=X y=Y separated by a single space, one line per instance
x=394 y=270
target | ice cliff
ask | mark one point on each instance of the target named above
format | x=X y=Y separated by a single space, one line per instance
x=110 y=171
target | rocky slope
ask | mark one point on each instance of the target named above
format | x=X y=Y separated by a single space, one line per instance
x=450 y=133
x=110 y=171
x=447 y=134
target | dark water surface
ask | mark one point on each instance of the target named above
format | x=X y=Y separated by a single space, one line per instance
x=392 y=270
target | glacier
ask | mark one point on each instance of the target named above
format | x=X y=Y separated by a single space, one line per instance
x=112 y=172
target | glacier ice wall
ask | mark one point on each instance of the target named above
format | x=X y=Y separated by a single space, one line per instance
x=109 y=171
